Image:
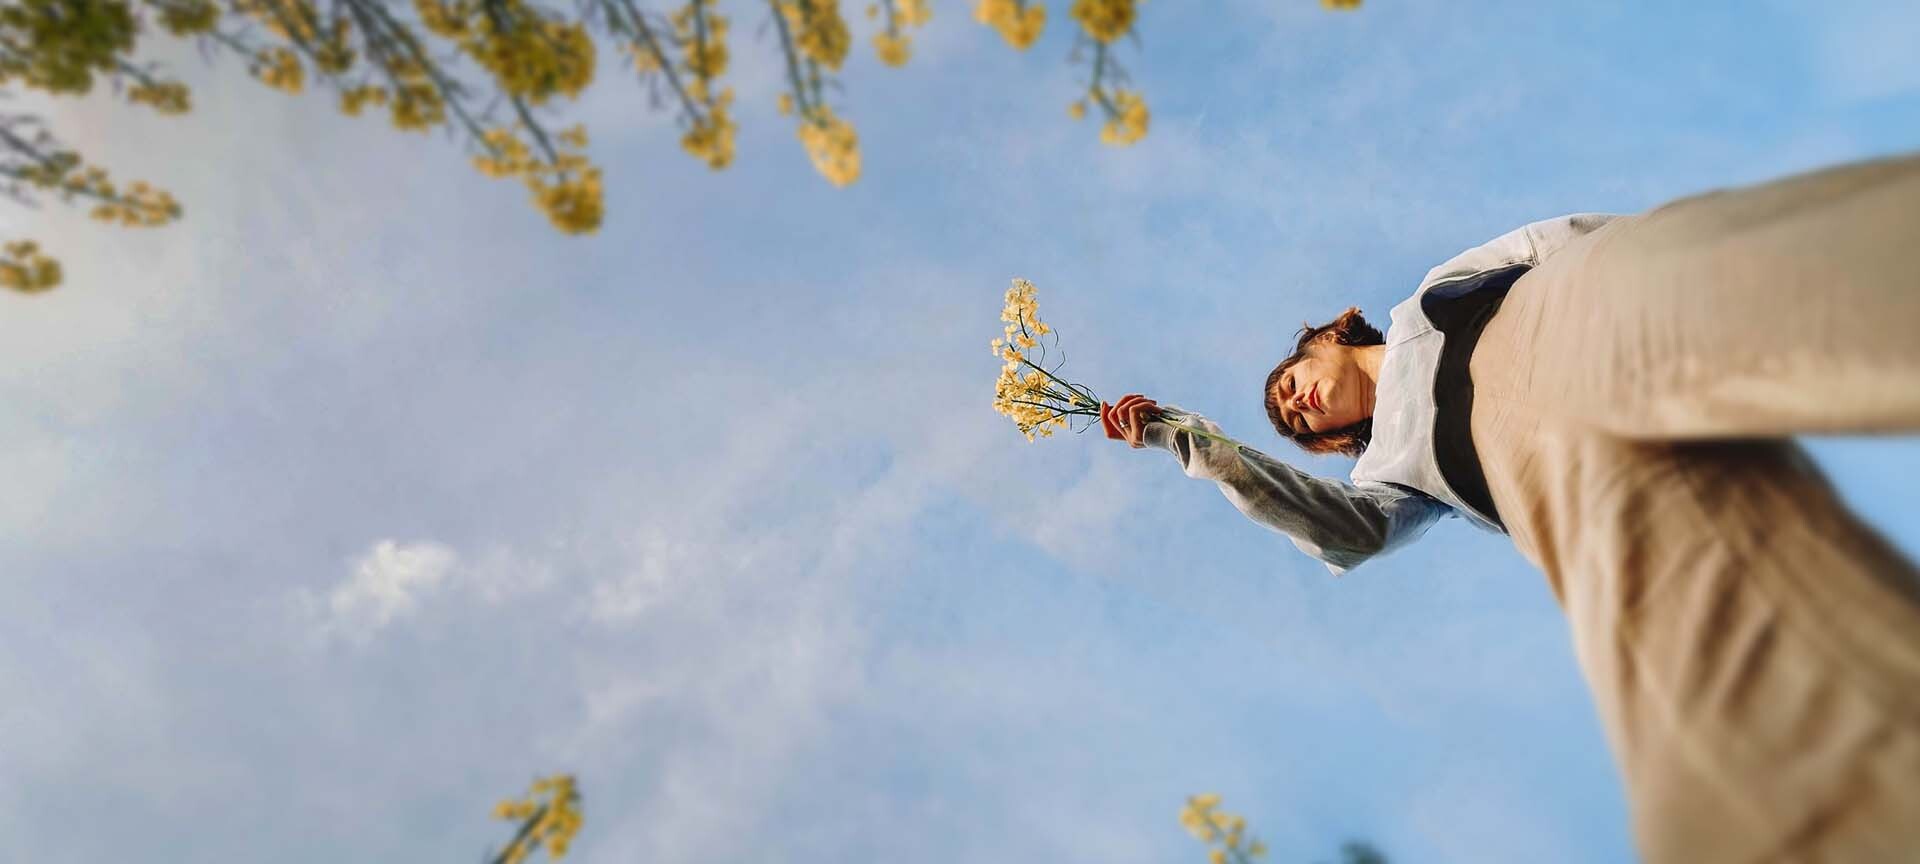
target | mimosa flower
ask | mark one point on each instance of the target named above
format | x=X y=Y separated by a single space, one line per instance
x=1036 y=399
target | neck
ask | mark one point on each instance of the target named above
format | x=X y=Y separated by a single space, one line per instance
x=1369 y=358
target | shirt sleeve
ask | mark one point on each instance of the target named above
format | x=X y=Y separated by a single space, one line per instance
x=1341 y=524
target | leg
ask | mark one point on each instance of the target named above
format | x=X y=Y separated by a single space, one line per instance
x=1752 y=648
x=1787 y=307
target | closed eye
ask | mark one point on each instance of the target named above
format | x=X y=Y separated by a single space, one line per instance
x=1286 y=398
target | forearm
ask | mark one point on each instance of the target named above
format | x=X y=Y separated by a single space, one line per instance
x=1333 y=521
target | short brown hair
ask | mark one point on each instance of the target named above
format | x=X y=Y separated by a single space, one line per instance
x=1348 y=329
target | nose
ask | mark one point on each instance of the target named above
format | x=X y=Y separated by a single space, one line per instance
x=1300 y=401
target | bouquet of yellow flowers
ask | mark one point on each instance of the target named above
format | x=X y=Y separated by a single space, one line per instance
x=1032 y=395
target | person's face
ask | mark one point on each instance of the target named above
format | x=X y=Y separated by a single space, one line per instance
x=1324 y=391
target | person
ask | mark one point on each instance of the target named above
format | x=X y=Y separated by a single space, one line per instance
x=1618 y=395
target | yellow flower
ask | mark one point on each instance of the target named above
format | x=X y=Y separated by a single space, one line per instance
x=353 y=99
x=893 y=50
x=1104 y=20
x=1036 y=401
x=643 y=59
x=1217 y=856
x=1129 y=124
x=58 y=46
x=832 y=145
x=451 y=22
x=914 y=13
x=166 y=97
x=417 y=107
x=189 y=17
x=555 y=818
x=26 y=270
x=785 y=104
x=1019 y=25
x=573 y=205
x=710 y=139
x=1077 y=110
x=1340 y=4
x=822 y=34
x=140 y=206
x=709 y=62
x=280 y=69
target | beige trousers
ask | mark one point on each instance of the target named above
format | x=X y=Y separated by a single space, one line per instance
x=1753 y=649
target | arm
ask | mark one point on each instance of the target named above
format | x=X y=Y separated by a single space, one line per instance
x=1339 y=523
x=1528 y=244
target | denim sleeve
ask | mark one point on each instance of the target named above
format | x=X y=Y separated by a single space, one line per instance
x=1341 y=524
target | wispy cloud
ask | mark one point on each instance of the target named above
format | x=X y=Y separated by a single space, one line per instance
x=385 y=585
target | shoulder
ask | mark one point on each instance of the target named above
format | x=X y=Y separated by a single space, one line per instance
x=1526 y=244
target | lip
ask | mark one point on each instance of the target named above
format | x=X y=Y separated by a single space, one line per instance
x=1313 y=399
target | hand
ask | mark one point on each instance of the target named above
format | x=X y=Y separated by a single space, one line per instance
x=1126 y=420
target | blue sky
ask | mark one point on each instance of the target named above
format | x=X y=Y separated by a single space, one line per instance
x=343 y=508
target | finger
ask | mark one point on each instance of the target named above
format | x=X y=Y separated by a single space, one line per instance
x=1118 y=416
x=1135 y=427
x=1107 y=421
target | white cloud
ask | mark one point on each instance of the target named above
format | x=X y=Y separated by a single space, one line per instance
x=639 y=585
x=387 y=584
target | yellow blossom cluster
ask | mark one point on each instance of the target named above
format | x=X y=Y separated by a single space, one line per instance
x=537 y=57
x=1205 y=821
x=56 y=171
x=353 y=99
x=893 y=48
x=832 y=145
x=568 y=188
x=1104 y=20
x=278 y=68
x=643 y=60
x=892 y=44
x=140 y=205
x=710 y=137
x=418 y=105
x=1032 y=399
x=703 y=35
x=554 y=821
x=819 y=31
x=143 y=205
x=23 y=268
x=296 y=21
x=189 y=17
x=166 y=97
x=1340 y=4
x=529 y=53
x=913 y=13
x=57 y=45
x=1037 y=400
x=288 y=19
x=1019 y=398
x=1018 y=22
x=1126 y=118
x=447 y=20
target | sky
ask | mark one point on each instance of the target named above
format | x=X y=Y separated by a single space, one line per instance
x=359 y=498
